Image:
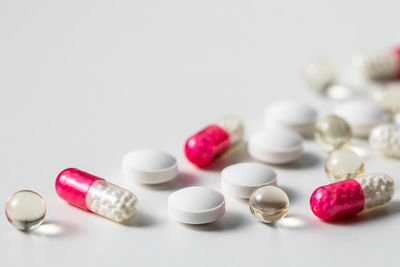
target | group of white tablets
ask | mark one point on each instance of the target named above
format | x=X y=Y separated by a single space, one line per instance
x=286 y=123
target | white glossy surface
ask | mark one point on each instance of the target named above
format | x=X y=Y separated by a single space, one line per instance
x=242 y=179
x=149 y=166
x=362 y=115
x=275 y=146
x=83 y=82
x=291 y=114
x=196 y=205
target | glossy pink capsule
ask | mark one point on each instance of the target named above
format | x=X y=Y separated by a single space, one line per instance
x=349 y=197
x=206 y=145
x=380 y=65
x=95 y=194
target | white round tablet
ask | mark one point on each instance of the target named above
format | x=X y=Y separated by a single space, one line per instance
x=275 y=146
x=243 y=178
x=291 y=114
x=362 y=116
x=149 y=166
x=196 y=205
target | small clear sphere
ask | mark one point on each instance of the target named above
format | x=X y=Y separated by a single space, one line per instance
x=332 y=133
x=344 y=164
x=25 y=210
x=387 y=97
x=319 y=74
x=396 y=118
x=269 y=203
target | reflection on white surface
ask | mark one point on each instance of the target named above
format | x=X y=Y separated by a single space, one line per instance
x=50 y=229
x=340 y=91
x=361 y=151
x=293 y=222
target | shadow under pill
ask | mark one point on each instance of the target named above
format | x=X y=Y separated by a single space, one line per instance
x=292 y=194
x=230 y=221
x=53 y=228
x=391 y=209
x=307 y=160
x=234 y=155
x=141 y=219
x=183 y=179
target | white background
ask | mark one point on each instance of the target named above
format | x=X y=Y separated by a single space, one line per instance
x=83 y=82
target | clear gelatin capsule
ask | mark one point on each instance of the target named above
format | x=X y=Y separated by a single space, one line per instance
x=385 y=138
x=203 y=147
x=95 y=194
x=319 y=75
x=269 y=203
x=379 y=65
x=350 y=197
x=25 y=210
x=332 y=132
x=344 y=164
x=387 y=97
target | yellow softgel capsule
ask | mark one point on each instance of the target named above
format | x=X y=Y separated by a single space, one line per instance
x=25 y=210
x=269 y=203
x=344 y=164
x=332 y=133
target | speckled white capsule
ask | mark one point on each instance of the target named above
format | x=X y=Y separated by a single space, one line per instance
x=386 y=139
x=362 y=116
x=291 y=114
x=196 y=205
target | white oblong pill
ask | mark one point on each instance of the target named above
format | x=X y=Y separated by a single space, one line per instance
x=196 y=205
x=275 y=146
x=243 y=178
x=291 y=114
x=149 y=166
x=385 y=138
x=361 y=115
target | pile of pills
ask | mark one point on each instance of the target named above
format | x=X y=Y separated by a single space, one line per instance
x=287 y=123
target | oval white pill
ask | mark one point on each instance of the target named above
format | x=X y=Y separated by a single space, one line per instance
x=196 y=205
x=149 y=166
x=386 y=139
x=243 y=178
x=291 y=114
x=275 y=146
x=362 y=116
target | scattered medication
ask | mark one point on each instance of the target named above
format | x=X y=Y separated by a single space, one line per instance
x=319 y=75
x=275 y=146
x=196 y=205
x=388 y=97
x=95 y=194
x=349 y=197
x=381 y=65
x=269 y=203
x=333 y=132
x=291 y=114
x=203 y=147
x=149 y=166
x=25 y=210
x=242 y=179
x=386 y=139
x=344 y=164
x=361 y=115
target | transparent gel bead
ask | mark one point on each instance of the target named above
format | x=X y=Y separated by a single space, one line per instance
x=344 y=164
x=269 y=203
x=332 y=133
x=387 y=97
x=319 y=75
x=25 y=210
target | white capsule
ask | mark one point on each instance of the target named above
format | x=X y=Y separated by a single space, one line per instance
x=386 y=139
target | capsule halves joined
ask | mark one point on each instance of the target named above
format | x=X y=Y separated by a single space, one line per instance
x=206 y=145
x=349 y=197
x=95 y=194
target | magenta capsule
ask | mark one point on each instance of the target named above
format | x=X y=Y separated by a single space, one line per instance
x=95 y=194
x=380 y=65
x=349 y=197
x=203 y=147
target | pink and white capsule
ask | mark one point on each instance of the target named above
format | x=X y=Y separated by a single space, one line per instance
x=95 y=194
x=379 y=65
